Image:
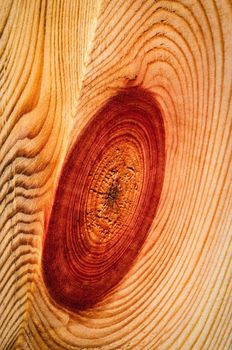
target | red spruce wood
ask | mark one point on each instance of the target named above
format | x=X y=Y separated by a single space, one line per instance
x=105 y=201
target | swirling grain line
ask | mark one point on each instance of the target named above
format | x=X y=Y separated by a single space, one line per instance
x=177 y=293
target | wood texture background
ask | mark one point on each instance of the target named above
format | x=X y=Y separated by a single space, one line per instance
x=59 y=62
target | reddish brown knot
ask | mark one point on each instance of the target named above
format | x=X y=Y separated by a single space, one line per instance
x=105 y=201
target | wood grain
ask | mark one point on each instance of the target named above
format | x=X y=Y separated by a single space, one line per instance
x=60 y=62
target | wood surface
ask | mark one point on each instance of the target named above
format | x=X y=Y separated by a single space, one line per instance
x=60 y=62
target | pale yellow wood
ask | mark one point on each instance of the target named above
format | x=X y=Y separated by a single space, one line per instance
x=59 y=62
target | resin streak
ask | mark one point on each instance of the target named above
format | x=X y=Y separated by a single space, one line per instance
x=105 y=201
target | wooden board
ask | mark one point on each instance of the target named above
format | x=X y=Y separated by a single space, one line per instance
x=60 y=61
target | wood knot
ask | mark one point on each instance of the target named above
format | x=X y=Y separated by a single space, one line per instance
x=105 y=201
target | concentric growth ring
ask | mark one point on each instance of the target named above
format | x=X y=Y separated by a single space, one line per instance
x=105 y=201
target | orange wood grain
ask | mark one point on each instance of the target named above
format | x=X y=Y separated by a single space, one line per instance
x=60 y=61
